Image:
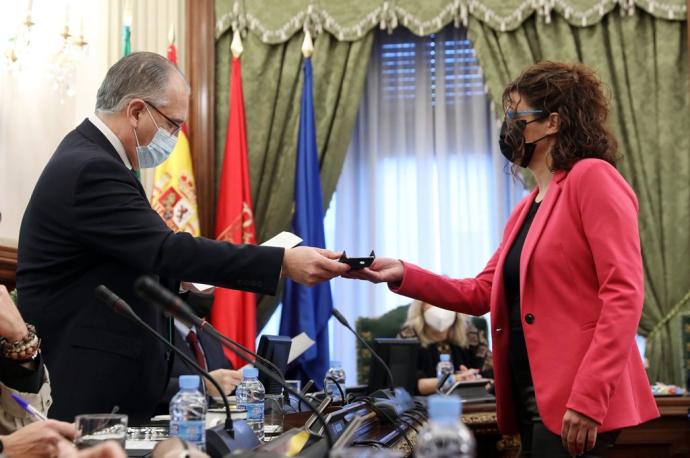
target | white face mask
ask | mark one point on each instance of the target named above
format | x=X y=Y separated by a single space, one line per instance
x=158 y=149
x=439 y=319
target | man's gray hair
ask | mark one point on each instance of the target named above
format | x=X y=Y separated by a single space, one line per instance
x=140 y=75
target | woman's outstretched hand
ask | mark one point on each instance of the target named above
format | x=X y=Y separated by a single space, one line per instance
x=387 y=270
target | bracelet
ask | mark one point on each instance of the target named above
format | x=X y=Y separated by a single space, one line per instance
x=22 y=350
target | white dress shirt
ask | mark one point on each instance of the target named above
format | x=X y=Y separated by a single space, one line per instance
x=112 y=138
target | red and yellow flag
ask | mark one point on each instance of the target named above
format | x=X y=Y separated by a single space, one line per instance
x=234 y=312
x=174 y=192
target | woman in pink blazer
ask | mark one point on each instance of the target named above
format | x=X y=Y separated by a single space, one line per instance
x=565 y=286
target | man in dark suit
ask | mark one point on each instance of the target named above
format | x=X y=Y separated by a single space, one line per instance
x=88 y=222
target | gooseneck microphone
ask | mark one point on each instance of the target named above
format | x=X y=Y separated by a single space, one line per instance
x=151 y=291
x=220 y=439
x=339 y=316
x=121 y=307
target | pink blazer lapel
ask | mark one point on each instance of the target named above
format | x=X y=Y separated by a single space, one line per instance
x=498 y=288
x=508 y=241
x=538 y=224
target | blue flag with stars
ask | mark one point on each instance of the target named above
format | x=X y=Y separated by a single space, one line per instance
x=308 y=309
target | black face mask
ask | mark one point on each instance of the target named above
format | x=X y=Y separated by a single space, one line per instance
x=512 y=139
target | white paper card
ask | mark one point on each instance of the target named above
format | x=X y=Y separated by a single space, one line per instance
x=300 y=344
x=283 y=240
x=202 y=287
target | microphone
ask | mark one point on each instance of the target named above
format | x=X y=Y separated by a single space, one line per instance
x=339 y=316
x=121 y=307
x=153 y=292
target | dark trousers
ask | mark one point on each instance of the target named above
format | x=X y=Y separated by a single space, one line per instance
x=536 y=440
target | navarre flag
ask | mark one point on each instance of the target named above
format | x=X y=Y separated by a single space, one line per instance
x=234 y=312
x=174 y=192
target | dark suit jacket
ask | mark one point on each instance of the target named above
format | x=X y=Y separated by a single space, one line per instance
x=215 y=359
x=89 y=223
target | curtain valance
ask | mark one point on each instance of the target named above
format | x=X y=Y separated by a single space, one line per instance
x=275 y=21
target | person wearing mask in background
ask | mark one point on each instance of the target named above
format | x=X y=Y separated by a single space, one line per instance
x=441 y=331
x=565 y=287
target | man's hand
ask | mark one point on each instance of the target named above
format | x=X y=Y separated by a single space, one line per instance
x=12 y=326
x=310 y=266
x=578 y=433
x=387 y=270
x=226 y=378
x=38 y=440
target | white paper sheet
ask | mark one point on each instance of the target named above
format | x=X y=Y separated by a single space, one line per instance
x=202 y=287
x=300 y=344
x=283 y=240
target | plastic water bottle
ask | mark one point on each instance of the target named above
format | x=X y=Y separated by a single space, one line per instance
x=445 y=366
x=337 y=373
x=188 y=412
x=445 y=436
x=250 y=396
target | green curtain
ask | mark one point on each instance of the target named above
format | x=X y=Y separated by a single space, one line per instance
x=275 y=21
x=272 y=81
x=644 y=61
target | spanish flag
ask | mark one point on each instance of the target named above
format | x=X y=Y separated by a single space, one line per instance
x=174 y=192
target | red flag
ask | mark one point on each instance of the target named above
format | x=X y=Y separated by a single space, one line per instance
x=172 y=53
x=234 y=312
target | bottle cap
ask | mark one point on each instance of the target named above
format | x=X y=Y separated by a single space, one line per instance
x=189 y=382
x=445 y=409
x=445 y=357
x=250 y=372
x=335 y=364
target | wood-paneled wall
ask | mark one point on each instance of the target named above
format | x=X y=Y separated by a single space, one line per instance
x=200 y=69
x=8 y=266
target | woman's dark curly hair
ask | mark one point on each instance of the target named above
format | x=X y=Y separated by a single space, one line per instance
x=576 y=94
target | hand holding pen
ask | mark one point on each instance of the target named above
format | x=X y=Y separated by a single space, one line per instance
x=31 y=410
x=50 y=438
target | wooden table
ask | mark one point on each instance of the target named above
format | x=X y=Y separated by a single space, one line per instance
x=665 y=437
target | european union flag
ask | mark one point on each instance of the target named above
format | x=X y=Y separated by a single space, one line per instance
x=308 y=309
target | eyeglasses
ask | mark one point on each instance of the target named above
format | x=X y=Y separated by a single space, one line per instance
x=177 y=126
x=512 y=114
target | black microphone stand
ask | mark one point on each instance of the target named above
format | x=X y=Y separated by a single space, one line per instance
x=339 y=316
x=217 y=444
x=150 y=290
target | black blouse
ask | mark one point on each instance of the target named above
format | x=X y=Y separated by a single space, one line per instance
x=518 y=358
